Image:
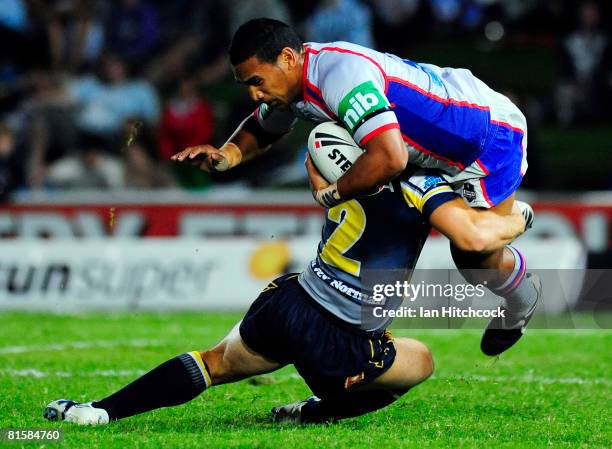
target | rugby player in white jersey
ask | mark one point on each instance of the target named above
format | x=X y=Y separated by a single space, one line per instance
x=400 y=112
x=321 y=320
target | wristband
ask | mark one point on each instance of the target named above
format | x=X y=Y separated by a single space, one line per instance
x=328 y=197
x=232 y=157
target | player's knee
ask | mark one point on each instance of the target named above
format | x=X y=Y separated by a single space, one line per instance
x=423 y=356
x=421 y=364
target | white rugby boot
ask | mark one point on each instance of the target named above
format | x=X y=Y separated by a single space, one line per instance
x=528 y=213
x=74 y=412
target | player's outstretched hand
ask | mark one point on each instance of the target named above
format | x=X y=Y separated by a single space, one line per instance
x=207 y=157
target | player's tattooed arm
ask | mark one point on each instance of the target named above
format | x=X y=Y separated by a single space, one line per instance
x=476 y=230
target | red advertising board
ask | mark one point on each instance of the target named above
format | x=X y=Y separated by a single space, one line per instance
x=592 y=222
x=156 y=220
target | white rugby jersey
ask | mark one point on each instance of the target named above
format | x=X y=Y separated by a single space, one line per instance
x=446 y=116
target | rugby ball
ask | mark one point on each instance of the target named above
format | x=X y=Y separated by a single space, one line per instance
x=332 y=150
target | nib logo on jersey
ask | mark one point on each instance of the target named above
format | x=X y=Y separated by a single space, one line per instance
x=359 y=103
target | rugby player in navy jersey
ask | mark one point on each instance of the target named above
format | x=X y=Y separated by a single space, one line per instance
x=315 y=319
x=399 y=111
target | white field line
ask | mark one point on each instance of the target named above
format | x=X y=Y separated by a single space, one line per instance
x=38 y=374
x=530 y=379
x=79 y=345
x=451 y=333
x=141 y=343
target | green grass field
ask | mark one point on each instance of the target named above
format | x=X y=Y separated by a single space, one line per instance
x=551 y=390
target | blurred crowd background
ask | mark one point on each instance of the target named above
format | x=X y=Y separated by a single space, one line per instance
x=99 y=94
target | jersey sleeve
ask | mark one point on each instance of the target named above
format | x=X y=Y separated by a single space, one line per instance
x=353 y=87
x=426 y=190
x=274 y=120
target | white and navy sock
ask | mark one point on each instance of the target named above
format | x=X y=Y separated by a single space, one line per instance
x=517 y=290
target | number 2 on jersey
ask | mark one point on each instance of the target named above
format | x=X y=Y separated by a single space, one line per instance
x=351 y=220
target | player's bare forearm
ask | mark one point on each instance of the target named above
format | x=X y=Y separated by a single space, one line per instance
x=498 y=230
x=384 y=159
x=252 y=139
x=247 y=141
x=477 y=230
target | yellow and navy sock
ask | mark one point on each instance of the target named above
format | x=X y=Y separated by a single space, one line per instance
x=174 y=382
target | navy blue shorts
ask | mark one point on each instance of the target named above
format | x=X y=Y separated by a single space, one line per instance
x=286 y=325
